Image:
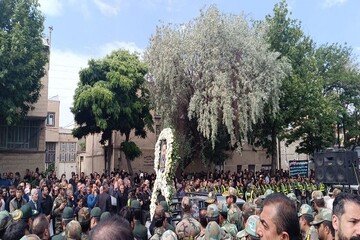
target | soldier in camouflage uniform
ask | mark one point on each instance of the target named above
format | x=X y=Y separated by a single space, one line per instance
x=160 y=221
x=212 y=231
x=250 y=228
x=324 y=217
x=84 y=220
x=169 y=235
x=305 y=215
x=234 y=212
x=67 y=216
x=59 y=204
x=212 y=214
x=224 y=223
x=73 y=230
x=188 y=227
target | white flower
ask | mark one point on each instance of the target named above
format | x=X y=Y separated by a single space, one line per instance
x=163 y=181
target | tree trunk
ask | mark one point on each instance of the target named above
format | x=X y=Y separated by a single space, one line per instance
x=128 y=161
x=274 y=151
x=130 y=169
x=109 y=151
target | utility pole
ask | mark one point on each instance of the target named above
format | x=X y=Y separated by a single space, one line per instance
x=50 y=30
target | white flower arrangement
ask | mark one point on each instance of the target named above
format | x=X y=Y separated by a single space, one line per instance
x=164 y=177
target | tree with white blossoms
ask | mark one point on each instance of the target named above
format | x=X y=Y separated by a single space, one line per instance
x=216 y=70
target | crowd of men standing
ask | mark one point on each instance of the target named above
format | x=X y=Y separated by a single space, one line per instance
x=116 y=206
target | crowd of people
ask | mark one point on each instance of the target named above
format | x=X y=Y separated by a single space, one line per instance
x=117 y=206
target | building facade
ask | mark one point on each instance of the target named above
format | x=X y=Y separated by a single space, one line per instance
x=61 y=147
x=23 y=146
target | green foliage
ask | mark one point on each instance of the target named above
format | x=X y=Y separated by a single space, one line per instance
x=130 y=149
x=214 y=71
x=312 y=103
x=342 y=81
x=111 y=96
x=22 y=58
x=216 y=154
x=299 y=90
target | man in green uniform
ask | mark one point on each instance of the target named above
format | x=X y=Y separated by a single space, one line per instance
x=223 y=221
x=67 y=216
x=59 y=204
x=305 y=218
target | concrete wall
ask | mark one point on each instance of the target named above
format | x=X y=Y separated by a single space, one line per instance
x=52 y=132
x=288 y=153
x=40 y=107
x=19 y=162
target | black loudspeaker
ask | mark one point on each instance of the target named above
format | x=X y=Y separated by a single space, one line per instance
x=337 y=167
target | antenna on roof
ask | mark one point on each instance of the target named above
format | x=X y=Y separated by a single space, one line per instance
x=50 y=30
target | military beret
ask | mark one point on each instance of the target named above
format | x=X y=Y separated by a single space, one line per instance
x=95 y=212
x=67 y=214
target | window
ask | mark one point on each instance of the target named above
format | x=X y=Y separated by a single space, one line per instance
x=251 y=168
x=67 y=151
x=50 y=152
x=266 y=167
x=23 y=136
x=50 y=120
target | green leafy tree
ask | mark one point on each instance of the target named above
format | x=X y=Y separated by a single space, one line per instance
x=111 y=96
x=300 y=90
x=22 y=58
x=215 y=71
x=310 y=103
x=341 y=76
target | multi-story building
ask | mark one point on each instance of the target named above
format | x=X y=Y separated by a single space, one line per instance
x=61 y=146
x=94 y=157
x=23 y=146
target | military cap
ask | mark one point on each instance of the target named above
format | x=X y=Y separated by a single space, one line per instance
x=266 y=193
x=5 y=219
x=62 y=186
x=231 y=192
x=95 y=212
x=316 y=195
x=292 y=196
x=187 y=228
x=166 y=208
x=212 y=211
x=250 y=228
x=324 y=214
x=105 y=215
x=305 y=209
x=73 y=230
x=135 y=204
x=212 y=231
x=222 y=207
x=164 y=205
x=211 y=197
x=67 y=214
x=84 y=215
x=26 y=212
x=168 y=235
x=186 y=203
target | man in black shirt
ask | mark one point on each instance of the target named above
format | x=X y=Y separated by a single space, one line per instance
x=46 y=201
